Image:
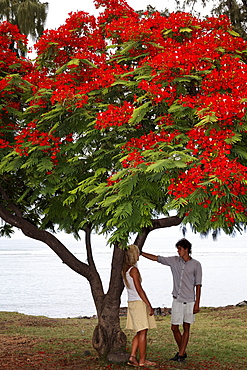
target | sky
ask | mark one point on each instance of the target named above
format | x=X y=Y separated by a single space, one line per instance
x=59 y=9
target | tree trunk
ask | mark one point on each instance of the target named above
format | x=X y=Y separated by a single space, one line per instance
x=108 y=336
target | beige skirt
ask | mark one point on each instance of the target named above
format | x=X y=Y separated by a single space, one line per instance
x=138 y=317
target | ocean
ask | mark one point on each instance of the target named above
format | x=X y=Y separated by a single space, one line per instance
x=34 y=280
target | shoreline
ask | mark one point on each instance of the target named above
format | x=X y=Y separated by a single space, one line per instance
x=158 y=311
x=165 y=311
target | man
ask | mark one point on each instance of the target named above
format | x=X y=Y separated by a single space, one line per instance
x=187 y=278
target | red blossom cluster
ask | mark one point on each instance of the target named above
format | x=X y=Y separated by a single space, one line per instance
x=10 y=89
x=33 y=136
x=114 y=116
x=78 y=34
x=146 y=142
x=110 y=181
x=209 y=143
x=10 y=40
x=133 y=159
x=222 y=174
x=228 y=212
x=157 y=92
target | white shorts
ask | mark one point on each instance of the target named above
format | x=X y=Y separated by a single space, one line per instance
x=182 y=312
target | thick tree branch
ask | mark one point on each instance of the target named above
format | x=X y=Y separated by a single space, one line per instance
x=95 y=280
x=34 y=232
x=116 y=282
x=166 y=222
x=157 y=224
x=89 y=246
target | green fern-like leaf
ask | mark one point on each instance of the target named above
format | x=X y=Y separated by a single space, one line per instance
x=45 y=164
x=124 y=210
x=139 y=113
x=127 y=185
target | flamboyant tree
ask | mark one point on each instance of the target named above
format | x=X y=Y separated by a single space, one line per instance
x=122 y=120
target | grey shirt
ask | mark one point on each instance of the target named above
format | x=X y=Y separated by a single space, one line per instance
x=186 y=275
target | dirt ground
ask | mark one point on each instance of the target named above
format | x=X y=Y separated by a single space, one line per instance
x=16 y=354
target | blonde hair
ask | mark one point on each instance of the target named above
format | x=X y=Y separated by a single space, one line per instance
x=131 y=256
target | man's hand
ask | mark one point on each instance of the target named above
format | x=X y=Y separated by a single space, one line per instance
x=196 y=308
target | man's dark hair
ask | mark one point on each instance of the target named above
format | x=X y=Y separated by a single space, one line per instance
x=184 y=243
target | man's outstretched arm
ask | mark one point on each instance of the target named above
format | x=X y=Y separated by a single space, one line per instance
x=149 y=256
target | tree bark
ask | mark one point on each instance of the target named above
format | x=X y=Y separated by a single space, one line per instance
x=108 y=336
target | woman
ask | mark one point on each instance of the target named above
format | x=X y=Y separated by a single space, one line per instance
x=140 y=314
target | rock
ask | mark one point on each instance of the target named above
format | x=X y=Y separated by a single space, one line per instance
x=123 y=311
x=243 y=303
x=118 y=357
x=158 y=311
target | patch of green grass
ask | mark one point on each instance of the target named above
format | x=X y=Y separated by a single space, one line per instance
x=218 y=341
x=218 y=338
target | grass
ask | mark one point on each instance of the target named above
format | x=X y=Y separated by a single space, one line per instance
x=218 y=341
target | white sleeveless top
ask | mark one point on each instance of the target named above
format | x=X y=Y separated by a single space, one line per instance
x=131 y=290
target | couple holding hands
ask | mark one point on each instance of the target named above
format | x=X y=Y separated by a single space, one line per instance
x=187 y=278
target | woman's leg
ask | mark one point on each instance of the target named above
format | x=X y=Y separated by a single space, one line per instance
x=142 y=341
x=135 y=344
